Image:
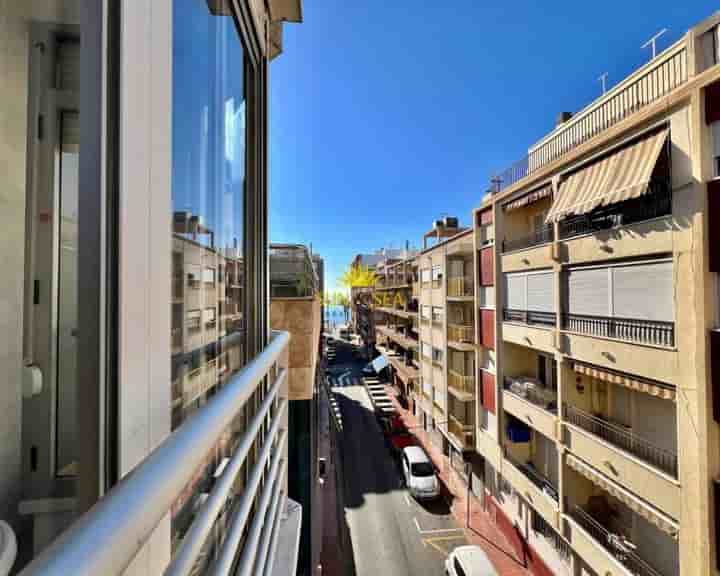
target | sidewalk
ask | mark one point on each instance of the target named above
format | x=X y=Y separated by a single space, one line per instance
x=482 y=531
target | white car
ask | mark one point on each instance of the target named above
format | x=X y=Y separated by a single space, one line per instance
x=469 y=561
x=419 y=472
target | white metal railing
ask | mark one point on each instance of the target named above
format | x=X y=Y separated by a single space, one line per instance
x=106 y=538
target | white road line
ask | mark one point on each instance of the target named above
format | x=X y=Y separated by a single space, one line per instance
x=438 y=531
x=407 y=500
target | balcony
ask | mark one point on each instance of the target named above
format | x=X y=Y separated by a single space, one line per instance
x=459 y=287
x=461 y=431
x=655 y=204
x=534 y=405
x=624 y=439
x=403 y=340
x=461 y=337
x=542 y=235
x=107 y=538
x=533 y=487
x=461 y=385
x=653 y=332
x=529 y=317
x=613 y=544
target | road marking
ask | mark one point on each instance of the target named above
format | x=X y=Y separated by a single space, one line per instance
x=432 y=542
x=436 y=531
x=407 y=500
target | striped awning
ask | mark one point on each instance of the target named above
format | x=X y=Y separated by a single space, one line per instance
x=620 y=176
x=529 y=198
x=663 y=522
x=640 y=384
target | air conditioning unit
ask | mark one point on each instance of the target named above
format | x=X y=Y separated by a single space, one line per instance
x=438 y=224
x=451 y=222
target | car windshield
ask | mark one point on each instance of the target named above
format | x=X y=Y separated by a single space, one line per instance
x=422 y=469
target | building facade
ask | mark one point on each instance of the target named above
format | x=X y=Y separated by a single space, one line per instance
x=135 y=325
x=596 y=303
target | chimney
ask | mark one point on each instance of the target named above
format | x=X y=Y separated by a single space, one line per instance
x=562 y=118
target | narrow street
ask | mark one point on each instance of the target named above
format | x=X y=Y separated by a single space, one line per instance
x=389 y=531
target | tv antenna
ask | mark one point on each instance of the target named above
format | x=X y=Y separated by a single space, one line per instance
x=652 y=42
x=603 y=79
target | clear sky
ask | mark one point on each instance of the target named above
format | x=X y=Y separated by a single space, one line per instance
x=388 y=114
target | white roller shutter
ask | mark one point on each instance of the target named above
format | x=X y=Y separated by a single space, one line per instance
x=541 y=292
x=588 y=292
x=644 y=291
x=515 y=292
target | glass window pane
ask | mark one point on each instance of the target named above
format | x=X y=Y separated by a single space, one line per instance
x=208 y=190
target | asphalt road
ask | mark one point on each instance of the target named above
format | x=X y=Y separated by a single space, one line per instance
x=390 y=532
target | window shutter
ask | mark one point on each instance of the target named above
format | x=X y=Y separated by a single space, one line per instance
x=488 y=391
x=486 y=267
x=588 y=292
x=485 y=217
x=713 y=191
x=644 y=291
x=541 y=292
x=715 y=372
x=487 y=328
x=515 y=292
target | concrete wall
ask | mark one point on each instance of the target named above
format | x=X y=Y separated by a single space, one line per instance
x=300 y=317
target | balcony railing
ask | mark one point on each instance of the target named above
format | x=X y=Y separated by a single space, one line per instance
x=461 y=430
x=459 y=287
x=654 y=332
x=615 y=544
x=656 y=203
x=532 y=474
x=529 y=317
x=461 y=382
x=461 y=333
x=545 y=398
x=625 y=439
x=647 y=85
x=107 y=537
x=542 y=235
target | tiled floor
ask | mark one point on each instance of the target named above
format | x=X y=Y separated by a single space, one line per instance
x=482 y=530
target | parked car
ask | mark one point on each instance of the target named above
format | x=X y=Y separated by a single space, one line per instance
x=469 y=561
x=420 y=477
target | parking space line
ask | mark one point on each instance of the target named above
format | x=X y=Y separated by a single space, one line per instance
x=435 y=531
x=432 y=542
x=407 y=500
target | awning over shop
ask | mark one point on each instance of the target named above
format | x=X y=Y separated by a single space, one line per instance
x=529 y=198
x=657 y=389
x=622 y=175
x=663 y=522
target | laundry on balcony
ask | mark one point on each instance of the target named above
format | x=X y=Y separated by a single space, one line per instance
x=517 y=431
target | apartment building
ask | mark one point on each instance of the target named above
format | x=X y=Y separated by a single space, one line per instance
x=144 y=397
x=296 y=308
x=596 y=300
x=447 y=396
x=395 y=300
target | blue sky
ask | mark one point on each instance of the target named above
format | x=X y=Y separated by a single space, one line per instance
x=387 y=115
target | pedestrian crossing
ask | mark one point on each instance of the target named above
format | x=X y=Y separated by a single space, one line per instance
x=378 y=395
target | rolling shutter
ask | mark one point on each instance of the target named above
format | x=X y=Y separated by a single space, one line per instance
x=515 y=292
x=588 y=292
x=540 y=292
x=644 y=291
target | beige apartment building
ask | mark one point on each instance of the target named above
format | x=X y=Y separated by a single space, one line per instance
x=446 y=398
x=596 y=302
x=395 y=302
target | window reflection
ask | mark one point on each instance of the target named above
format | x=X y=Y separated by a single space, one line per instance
x=208 y=187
